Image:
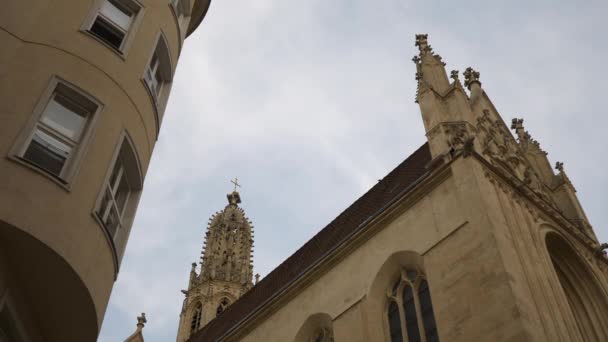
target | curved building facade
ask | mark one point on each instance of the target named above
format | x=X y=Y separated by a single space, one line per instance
x=83 y=90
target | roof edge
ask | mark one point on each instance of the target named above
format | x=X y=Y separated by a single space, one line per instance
x=199 y=11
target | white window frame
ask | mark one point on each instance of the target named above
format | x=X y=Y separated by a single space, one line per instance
x=182 y=12
x=135 y=6
x=78 y=147
x=130 y=167
x=159 y=94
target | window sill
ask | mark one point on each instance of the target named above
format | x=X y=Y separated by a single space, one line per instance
x=109 y=240
x=62 y=183
x=120 y=53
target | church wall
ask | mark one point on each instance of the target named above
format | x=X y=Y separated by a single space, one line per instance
x=520 y=230
x=459 y=255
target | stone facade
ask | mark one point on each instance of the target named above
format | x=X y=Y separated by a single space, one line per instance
x=226 y=268
x=83 y=88
x=499 y=241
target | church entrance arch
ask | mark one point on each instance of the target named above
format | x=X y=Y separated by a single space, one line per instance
x=587 y=301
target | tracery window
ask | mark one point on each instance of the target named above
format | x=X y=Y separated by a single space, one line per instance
x=195 y=323
x=324 y=334
x=410 y=310
x=223 y=304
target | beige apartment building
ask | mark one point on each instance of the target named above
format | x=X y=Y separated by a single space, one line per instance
x=83 y=88
x=473 y=237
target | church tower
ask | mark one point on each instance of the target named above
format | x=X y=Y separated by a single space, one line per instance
x=226 y=268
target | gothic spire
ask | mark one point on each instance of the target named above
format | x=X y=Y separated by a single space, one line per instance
x=227 y=254
x=226 y=267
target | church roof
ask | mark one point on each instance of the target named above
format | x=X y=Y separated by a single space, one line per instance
x=348 y=222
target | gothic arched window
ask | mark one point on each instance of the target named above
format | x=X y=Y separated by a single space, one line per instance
x=410 y=310
x=195 y=323
x=223 y=304
x=324 y=334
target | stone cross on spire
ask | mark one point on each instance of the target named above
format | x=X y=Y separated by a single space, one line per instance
x=235 y=181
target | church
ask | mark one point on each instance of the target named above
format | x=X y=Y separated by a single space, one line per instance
x=473 y=237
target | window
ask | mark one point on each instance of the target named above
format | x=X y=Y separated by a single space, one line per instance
x=158 y=71
x=181 y=9
x=58 y=130
x=113 y=21
x=410 y=310
x=195 y=324
x=223 y=304
x=118 y=201
x=157 y=77
x=324 y=334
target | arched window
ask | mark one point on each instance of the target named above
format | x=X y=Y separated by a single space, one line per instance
x=223 y=304
x=324 y=334
x=410 y=310
x=195 y=323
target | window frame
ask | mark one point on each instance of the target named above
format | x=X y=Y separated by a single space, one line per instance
x=118 y=239
x=196 y=318
x=73 y=163
x=133 y=5
x=159 y=100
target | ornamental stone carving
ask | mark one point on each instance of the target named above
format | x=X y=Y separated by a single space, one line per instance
x=500 y=148
x=470 y=76
x=457 y=134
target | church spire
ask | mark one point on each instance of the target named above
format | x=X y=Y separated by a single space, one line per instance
x=226 y=267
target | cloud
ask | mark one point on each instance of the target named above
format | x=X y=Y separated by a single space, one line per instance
x=309 y=103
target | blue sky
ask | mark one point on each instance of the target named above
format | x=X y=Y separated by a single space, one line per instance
x=309 y=103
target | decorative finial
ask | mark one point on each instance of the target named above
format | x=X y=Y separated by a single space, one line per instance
x=235 y=181
x=421 y=42
x=416 y=59
x=141 y=320
x=193 y=267
x=470 y=76
x=517 y=123
x=559 y=166
x=257 y=278
x=454 y=75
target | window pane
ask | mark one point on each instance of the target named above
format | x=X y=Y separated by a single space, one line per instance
x=394 y=323
x=104 y=30
x=196 y=318
x=411 y=321
x=112 y=222
x=412 y=275
x=116 y=173
x=426 y=308
x=159 y=82
x=47 y=152
x=117 y=13
x=65 y=116
x=122 y=194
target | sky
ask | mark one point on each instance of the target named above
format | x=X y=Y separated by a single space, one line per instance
x=309 y=103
